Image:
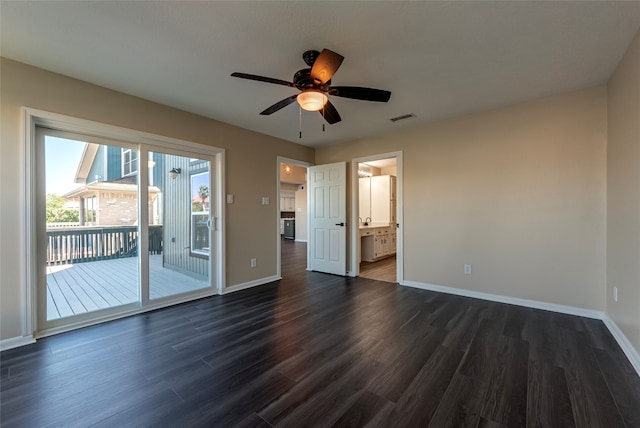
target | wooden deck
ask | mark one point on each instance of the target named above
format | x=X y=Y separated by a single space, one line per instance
x=74 y=289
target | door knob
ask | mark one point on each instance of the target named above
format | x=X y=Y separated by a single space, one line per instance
x=339 y=224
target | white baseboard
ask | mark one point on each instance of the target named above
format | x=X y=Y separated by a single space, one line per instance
x=571 y=310
x=250 y=284
x=301 y=240
x=15 y=342
x=627 y=347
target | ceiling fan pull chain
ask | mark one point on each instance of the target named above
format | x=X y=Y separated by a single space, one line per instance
x=300 y=112
x=323 y=118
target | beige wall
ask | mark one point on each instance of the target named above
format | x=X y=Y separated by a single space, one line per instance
x=517 y=192
x=251 y=171
x=623 y=194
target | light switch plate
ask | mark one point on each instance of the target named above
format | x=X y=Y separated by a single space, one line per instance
x=229 y=199
x=265 y=200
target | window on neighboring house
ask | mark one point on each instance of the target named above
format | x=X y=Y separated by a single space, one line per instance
x=200 y=198
x=90 y=211
x=129 y=161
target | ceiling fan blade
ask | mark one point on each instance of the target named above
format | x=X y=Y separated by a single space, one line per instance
x=326 y=65
x=358 y=93
x=280 y=104
x=330 y=113
x=262 y=79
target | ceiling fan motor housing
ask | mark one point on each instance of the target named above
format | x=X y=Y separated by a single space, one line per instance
x=309 y=57
x=303 y=80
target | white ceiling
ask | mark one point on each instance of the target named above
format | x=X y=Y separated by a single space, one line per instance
x=439 y=59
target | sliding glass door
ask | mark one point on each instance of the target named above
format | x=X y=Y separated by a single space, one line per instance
x=180 y=207
x=91 y=237
x=121 y=227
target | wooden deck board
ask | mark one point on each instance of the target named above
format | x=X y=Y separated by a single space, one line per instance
x=61 y=303
x=84 y=287
x=110 y=278
x=52 y=311
x=99 y=294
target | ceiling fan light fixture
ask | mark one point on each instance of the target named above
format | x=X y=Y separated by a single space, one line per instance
x=312 y=100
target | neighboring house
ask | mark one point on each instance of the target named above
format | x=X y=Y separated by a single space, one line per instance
x=178 y=203
x=109 y=194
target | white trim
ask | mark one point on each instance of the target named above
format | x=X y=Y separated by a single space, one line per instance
x=553 y=307
x=220 y=222
x=250 y=284
x=627 y=347
x=300 y=240
x=28 y=261
x=15 y=342
x=355 y=201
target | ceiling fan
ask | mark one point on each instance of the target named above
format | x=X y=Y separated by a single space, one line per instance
x=315 y=86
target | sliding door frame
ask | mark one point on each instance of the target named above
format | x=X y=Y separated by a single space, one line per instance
x=32 y=325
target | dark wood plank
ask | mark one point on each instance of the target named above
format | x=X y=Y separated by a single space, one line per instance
x=423 y=396
x=461 y=404
x=395 y=379
x=506 y=398
x=623 y=383
x=362 y=411
x=548 y=401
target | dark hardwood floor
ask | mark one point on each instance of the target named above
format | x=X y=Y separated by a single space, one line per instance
x=321 y=350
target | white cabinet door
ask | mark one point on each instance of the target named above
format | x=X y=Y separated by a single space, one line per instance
x=327 y=217
x=383 y=194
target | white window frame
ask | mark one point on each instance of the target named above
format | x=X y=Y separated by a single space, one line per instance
x=128 y=163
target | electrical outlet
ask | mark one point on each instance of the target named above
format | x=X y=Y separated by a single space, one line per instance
x=254 y=263
x=615 y=294
x=467 y=269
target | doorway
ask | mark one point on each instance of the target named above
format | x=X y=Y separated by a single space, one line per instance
x=377 y=210
x=292 y=210
x=122 y=223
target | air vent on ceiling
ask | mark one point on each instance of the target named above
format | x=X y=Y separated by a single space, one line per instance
x=404 y=116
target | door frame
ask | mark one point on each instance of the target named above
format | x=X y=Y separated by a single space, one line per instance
x=355 y=200
x=32 y=118
x=303 y=164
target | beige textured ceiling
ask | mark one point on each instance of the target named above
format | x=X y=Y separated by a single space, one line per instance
x=439 y=59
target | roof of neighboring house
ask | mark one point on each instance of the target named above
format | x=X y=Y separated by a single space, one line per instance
x=86 y=160
x=129 y=179
x=90 y=189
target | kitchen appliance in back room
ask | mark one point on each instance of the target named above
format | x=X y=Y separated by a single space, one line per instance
x=289 y=228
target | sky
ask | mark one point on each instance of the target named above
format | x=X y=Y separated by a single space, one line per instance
x=62 y=157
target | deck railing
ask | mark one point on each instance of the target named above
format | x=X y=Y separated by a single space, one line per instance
x=86 y=244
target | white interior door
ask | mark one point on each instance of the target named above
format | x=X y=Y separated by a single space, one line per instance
x=327 y=218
